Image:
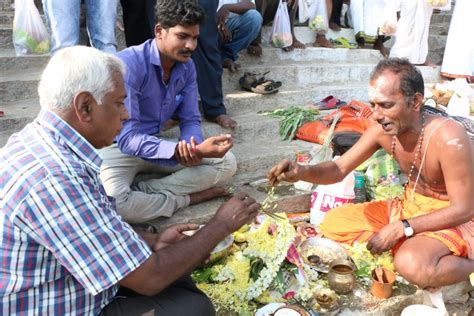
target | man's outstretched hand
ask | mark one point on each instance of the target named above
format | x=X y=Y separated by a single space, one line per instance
x=213 y=147
x=239 y=210
x=284 y=171
x=172 y=235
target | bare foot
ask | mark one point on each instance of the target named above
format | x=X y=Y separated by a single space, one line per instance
x=207 y=195
x=383 y=50
x=229 y=64
x=322 y=41
x=296 y=44
x=333 y=26
x=169 y=124
x=225 y=121
x=255 y=50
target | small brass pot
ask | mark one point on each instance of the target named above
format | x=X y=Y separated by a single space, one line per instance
x=341 y=276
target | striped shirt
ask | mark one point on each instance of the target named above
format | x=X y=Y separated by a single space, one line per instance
x=63 y=247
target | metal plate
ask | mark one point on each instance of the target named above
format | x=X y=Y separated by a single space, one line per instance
x=326 y=249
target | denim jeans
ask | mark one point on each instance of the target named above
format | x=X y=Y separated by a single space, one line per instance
x=63 y=19
x=244 y=29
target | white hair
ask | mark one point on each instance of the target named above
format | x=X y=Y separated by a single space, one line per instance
x=77 y=69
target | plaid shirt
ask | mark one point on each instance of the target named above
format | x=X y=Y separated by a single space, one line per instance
x=63 y=248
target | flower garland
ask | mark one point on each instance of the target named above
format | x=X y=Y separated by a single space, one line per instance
x=232 y=286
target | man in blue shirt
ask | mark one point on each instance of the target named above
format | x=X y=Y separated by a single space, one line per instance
x=161 y=83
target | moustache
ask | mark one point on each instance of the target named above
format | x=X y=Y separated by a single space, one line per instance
x=185 y=52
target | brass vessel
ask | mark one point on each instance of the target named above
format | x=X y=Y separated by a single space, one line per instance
x=341 y=276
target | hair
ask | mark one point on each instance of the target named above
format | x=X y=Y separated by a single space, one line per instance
x=77 y=69
x=170 y=13
x=411 y=80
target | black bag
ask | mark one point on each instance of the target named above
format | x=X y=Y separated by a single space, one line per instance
x=343 y=141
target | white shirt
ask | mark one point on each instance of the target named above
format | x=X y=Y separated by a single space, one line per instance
x=223 y=2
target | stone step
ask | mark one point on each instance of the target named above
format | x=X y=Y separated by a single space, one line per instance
x=9 y=61
x=17 y=115
x=16 y=86
x=6 y=36
x=316 y=73
x=6 y=18
x=238 y=102
x=273 y=56
x=443 y=17
x=250 y=126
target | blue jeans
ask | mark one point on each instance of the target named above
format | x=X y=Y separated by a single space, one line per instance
x=244 y=29
x=63 y=19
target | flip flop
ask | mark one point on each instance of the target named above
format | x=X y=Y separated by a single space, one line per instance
x=267 y=87
x=330 y=102
x=342 y=42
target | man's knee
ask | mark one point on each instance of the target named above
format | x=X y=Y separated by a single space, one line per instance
x=228 y=166
x=253 y=18
x=414 y=268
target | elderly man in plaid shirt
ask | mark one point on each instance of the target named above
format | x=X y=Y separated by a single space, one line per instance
x=63 y=248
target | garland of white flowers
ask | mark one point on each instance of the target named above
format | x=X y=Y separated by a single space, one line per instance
x=271 y=250
x=235 y=289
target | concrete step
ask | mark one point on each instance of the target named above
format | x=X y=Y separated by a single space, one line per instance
x=238 y=102
x=443 y=17
x=9 y=61
x=17 y=115
x=250 y=126
x=273 y=56
x=6 y=36
x=7 y=6
x=6 y=18
x=16 y=86
x=315 y=73
x=439 y=29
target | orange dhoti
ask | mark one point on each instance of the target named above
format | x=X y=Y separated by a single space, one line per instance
x=352 y=223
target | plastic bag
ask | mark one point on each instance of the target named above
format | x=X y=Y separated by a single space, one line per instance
x=30 y=36
x=303 y=11
x=281 y=30
x=389 y=25
x=318 y=20
x=327 y=197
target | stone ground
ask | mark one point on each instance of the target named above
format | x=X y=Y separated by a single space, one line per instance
x=307 y=75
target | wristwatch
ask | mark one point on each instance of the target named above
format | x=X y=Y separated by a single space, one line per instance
x=407 y=229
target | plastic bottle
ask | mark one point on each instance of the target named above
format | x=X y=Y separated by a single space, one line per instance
x=359 y=187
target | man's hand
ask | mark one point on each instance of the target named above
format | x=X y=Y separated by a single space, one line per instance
x=185 y=153
x=172 y=235
x=239 y=210
x=213 y=147
x=284 y=171
x=224 y=32
x=386 y=238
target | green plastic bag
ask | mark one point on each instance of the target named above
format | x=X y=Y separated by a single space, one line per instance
x=30 y=36
x=383 y=178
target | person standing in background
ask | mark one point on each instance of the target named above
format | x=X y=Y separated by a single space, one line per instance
x=208 y=62
x=63 y=19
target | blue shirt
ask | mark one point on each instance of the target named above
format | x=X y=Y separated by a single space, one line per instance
x=63 y=247
x=150 y=103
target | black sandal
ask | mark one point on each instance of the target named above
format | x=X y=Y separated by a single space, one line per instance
x=257 y=83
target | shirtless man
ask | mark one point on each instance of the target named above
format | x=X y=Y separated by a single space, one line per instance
x=430 y=230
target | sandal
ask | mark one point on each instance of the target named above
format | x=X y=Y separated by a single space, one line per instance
x=267 y=87
x=342 y=42
x=330 y=102
x=257 y=83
